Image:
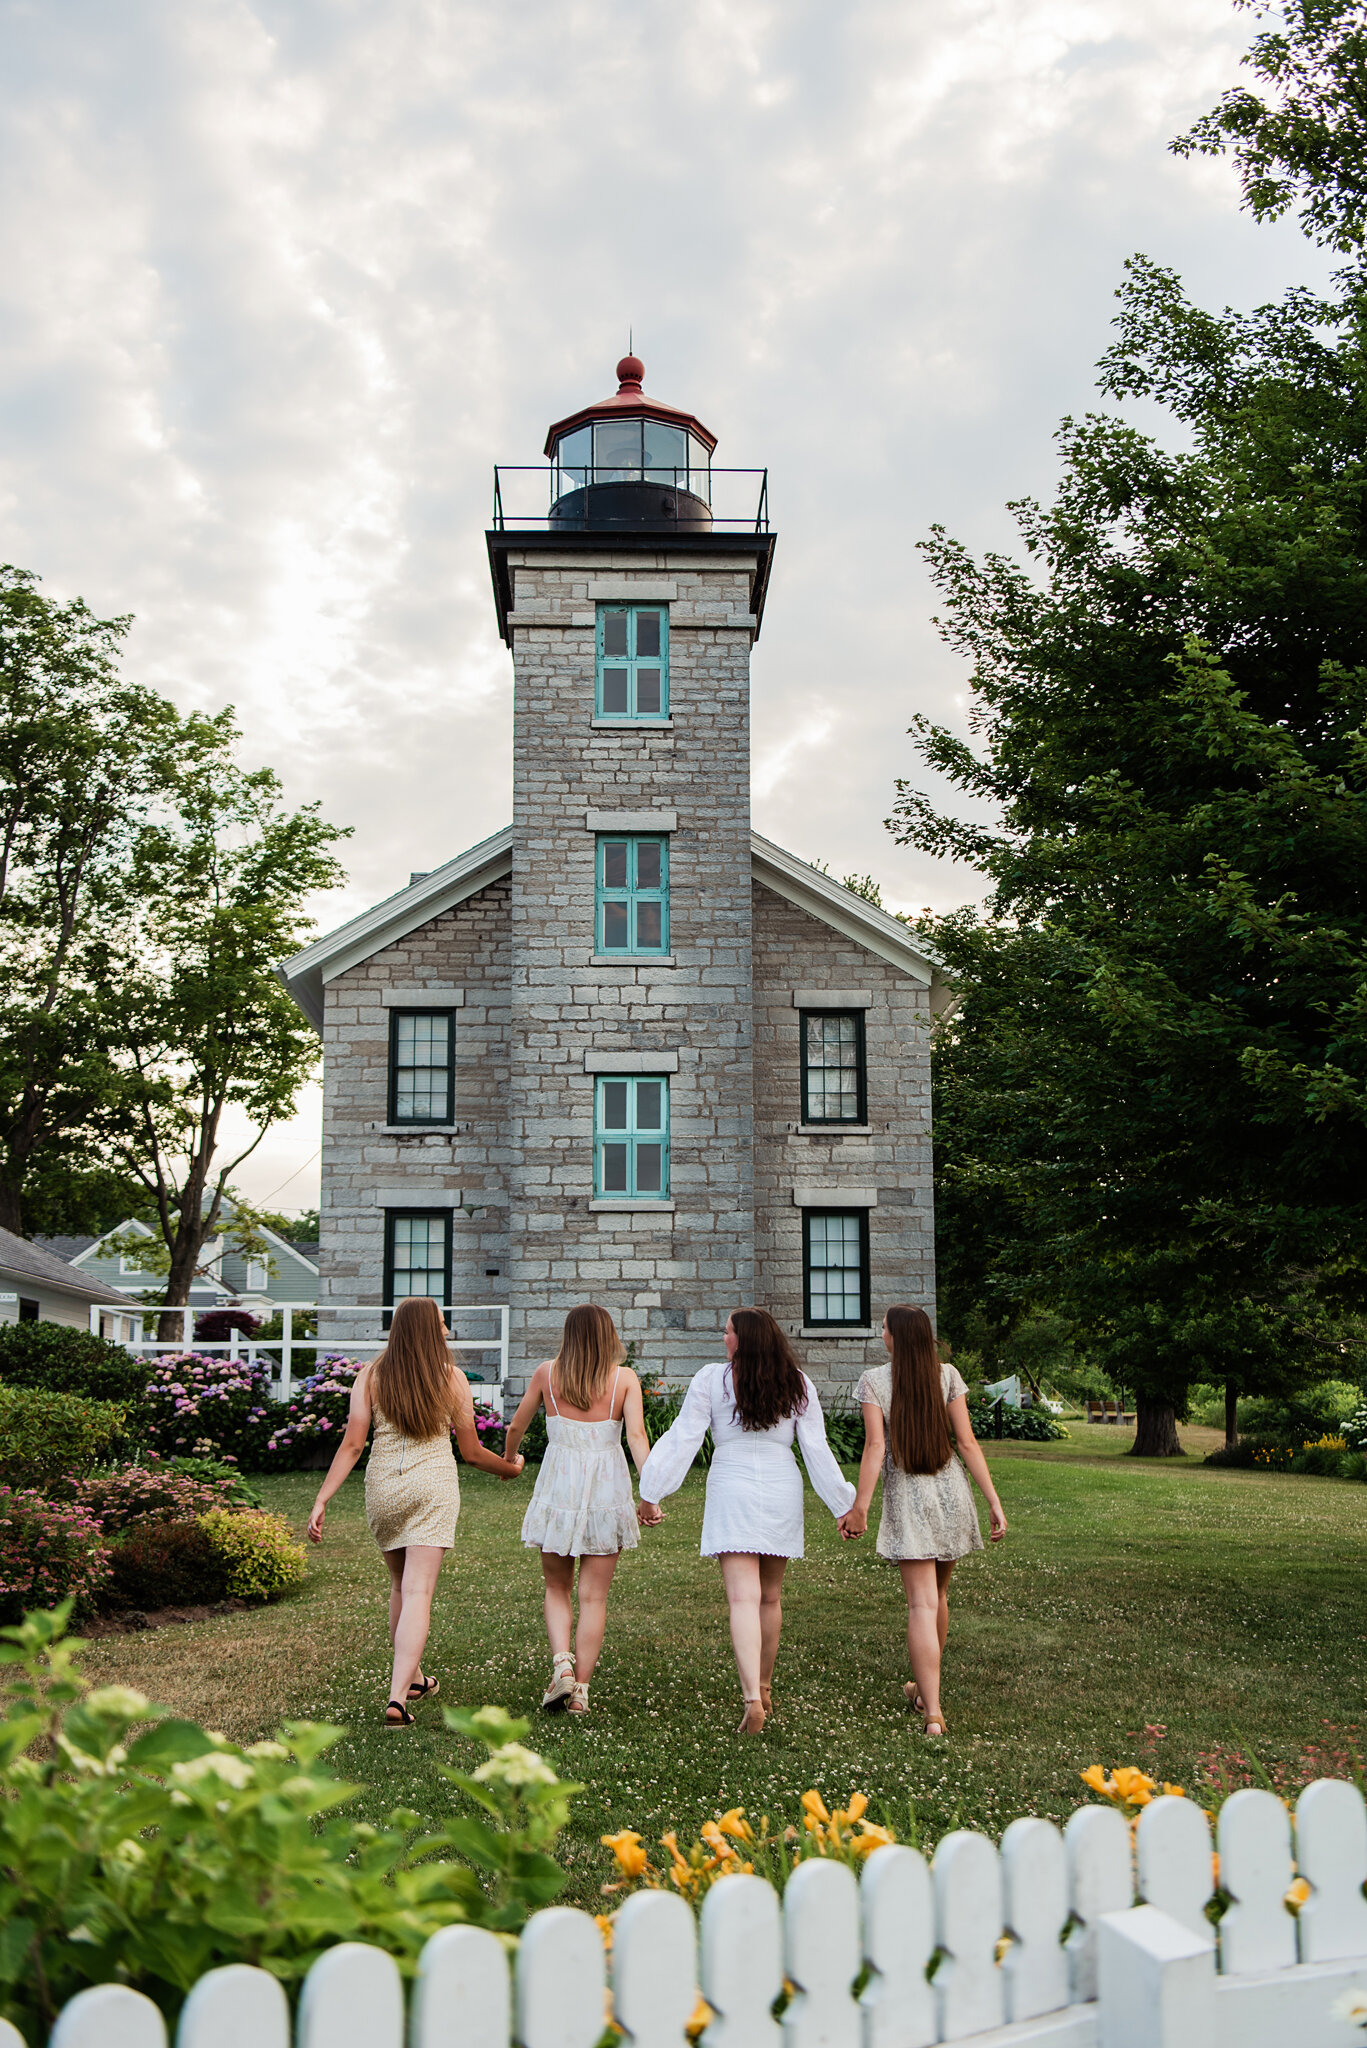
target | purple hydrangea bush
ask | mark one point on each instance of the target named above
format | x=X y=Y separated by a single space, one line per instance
x=315 y=1416
x=198 y=1406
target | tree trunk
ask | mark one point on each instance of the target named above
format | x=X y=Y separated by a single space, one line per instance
x=1231 y=1415
x=1155 y=1434
x=11 y=1211
x=171 y=1322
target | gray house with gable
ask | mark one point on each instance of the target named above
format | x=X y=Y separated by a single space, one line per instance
x=627 y=1049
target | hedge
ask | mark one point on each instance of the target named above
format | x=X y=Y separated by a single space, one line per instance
x=46 y=1438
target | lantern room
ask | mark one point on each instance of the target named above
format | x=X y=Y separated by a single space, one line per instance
x=631 y=462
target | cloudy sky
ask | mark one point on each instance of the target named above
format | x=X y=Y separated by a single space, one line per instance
x=282 y=280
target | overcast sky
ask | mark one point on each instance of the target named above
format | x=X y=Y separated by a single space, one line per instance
x=282 y=282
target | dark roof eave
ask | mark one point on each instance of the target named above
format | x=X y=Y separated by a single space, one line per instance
x=623 y=541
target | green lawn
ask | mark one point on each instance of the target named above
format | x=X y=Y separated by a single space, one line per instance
x=1223 y=1608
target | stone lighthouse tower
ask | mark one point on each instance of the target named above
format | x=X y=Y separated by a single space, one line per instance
x=625 y=1050
x=630 y=616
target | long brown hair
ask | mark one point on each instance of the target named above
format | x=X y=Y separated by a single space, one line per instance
x=590 y=1349
x=766 y=1380
x=411 y=1379
x=919 y=1438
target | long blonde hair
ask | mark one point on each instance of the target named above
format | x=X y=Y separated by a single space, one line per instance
x=590 y=1349
x=411 y=1379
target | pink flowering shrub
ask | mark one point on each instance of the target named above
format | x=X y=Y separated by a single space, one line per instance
x=49 y=1551
x=143 y=1493
x=314 y=1418
x=198 y=1406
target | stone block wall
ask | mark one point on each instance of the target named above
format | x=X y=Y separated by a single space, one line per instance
x=669 y=1278
x=795 y=950
x=466 y=947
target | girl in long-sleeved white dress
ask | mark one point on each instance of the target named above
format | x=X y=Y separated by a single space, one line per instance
x=752 y=1520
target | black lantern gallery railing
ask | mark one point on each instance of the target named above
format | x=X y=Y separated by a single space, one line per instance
x=625 y=497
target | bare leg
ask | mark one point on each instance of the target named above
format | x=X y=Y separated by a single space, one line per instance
x=421 y=1563
x=595 y=1576
x=771 y=1570
x=559 y=1576
x=943 y=1568
x=394 y=1560
x=740 y=1577
x=923 y=1640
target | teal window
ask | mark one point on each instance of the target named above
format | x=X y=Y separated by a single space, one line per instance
x=631 y=1137
x=835 y=1262
x=632 y=906
x=633 y=661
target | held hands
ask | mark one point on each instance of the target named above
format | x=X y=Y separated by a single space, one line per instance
x=649 y=1514
x=512 y=1467
x=315 y=1529
x=853 y=1522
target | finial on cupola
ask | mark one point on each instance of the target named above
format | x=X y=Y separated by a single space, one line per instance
x=630 y=376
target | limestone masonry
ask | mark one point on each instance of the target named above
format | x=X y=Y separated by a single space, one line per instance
x=569 y=1064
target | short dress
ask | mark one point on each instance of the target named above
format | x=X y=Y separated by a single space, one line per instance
x=925 y=1514
x=581 y=1505
x=754 y=1487
x=412 y=1489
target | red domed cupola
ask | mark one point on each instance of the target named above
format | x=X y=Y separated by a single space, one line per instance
x=629 y=461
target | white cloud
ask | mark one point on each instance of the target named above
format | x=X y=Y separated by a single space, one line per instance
x=280 y=280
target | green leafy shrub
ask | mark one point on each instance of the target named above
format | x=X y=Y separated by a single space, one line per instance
x=1020 y=1425
x=237 y=1491
x=150 y=1858
x=845 y=1434
x=259 y=1557
x=49 y=1551
x=1355 y=1428
x=67 y=1361
x=165 y=1564
x=45 y=1436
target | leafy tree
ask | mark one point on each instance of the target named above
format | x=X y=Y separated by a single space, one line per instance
x=222 y=883
x=81 y=753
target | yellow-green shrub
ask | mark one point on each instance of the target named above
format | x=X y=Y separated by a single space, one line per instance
x=47 y=1437
x=260 y=1557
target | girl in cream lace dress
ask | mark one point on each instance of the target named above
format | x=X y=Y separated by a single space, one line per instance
x=581 y=1507
x=915 y=1415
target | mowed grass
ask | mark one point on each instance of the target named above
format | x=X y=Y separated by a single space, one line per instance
x=1224 y=1609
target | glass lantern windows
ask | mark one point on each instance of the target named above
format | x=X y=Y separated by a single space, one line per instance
x=632 y=451
x=633 y=661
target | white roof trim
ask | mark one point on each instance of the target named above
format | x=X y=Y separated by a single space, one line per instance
x=884 y=936
x=835 y=905
x=393 y=919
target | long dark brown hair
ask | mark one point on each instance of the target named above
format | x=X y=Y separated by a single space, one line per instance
x=411 y=1379
x=919 y=1438
x=766 y=1380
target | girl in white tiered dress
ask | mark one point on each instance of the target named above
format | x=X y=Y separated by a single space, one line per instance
x=756 y=1402
x=581 y=1507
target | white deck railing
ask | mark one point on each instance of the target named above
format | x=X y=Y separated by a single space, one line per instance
x=1082 y=1967
x=282 y=1355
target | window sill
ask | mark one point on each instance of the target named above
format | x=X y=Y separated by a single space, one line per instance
x=608 y=1205
x=632 y=724
x=859 y=1330
x=835 y=1130
x=419 y=1130
x=633 y=960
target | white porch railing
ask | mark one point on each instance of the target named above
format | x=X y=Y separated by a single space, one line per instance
x=283 y=1355
x=1082 y=1966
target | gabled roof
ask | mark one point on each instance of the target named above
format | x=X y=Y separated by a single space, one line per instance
x=430 y=895
x=21 y=1259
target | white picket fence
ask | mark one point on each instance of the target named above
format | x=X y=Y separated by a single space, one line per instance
x=1038 y=1943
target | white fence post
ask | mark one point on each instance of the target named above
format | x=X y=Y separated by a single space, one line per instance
x=1176 y=1871
x=1156 y=1982
x=822 y=1954
x=10 y=2037
x=233 y=2005
x=352 y=1998
x=109 y=2016
x=1035 y=1908
x=1331 y=1854
x=462 y=1997
x=1100 y=1880
x=968 y=1924
x=1256 y=1931
x=561 y=1995
x=897 y=2003
x=286 y=1351
x=654 y=1969
x=742 y=1973
x=186 y=1327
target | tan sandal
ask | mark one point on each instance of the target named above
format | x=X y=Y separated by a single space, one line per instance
x=557 y=1693
x=749 y=1725
x=914 y=1700
x=935 y=1728
x=578 y=1701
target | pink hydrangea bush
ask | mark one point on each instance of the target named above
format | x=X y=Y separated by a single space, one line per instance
x=49 y=1551
x=200 y=1406
x=314 y=1418
x=147 y=1493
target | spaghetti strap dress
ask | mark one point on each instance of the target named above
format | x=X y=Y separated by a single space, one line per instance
x=412 y=1488
x=581 y=1505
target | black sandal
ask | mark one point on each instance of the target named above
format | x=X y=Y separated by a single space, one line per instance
x=405 y=1719
x=423 y=1689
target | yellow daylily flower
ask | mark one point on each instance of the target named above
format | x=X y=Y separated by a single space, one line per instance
x=626 y=1847
x=1174 y=1791
x=1133 y=1784
x=1095 y=1776
x=873 y=1837
x=1297 y=1894
x=700 y=2017
x=814 y=1806
x=734 y=1823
